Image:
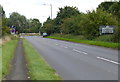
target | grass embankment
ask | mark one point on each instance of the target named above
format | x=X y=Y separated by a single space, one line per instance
x=7 y=54
x=81 y=39
x=39 y=69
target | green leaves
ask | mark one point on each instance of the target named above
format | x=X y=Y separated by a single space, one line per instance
x=34 y=25
x=23 y=24
x=3 y=23
x=48 y=26
x=70 y=21
x=2 y=12
x=17 y=20
x=54 y=26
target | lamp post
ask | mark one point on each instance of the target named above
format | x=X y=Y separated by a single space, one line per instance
x=50 y=9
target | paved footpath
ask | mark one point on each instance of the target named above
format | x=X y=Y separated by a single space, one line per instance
x=18 y=66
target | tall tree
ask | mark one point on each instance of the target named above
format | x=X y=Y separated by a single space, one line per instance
x=105 y=5
x=17 y=20
x=2 y=12
x=113 y=8
x=4 y=30
x=35 y=25
x=65 y=12
x=48 y=26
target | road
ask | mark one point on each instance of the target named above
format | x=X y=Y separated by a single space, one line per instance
x=74 y=61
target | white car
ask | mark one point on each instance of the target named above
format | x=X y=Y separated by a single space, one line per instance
x=44 y=34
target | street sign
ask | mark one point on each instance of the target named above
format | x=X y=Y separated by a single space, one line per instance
x=12 y=29
x=106 y=29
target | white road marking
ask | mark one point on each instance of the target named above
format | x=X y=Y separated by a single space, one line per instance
x=56 y=44
x=79 y=51
x=28 y=77
x=61 y=46
x=65 y=47
x=108 y=60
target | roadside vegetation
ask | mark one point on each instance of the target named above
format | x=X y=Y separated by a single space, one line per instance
x=101 y=41
x=23 y=25
x=69 y=20
x=37 y=66
x=7 y=54
x=0 y=62
x=7 y=45
x=72 y=25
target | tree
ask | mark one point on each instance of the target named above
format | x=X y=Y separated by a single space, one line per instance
x=105 y=6
x=48 y=26
x=2 y=12
x=34 y=25
x=17 y=20
x=23 y=24
x=71 y=25
x=113 y=8
x=63 y=13
x=95 y=19
x=5 y=30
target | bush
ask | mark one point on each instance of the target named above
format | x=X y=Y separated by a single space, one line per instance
x=105 y=38
x=116 y=36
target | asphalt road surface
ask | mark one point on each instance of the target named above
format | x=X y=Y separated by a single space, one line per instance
x=74 y=61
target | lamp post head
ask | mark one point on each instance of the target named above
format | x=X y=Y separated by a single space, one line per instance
x=44 y=4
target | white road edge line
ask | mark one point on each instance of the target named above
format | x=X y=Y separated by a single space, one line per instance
x=79 y=51
x=108 y=60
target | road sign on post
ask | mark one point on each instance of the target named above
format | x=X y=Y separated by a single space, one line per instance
x=12 y=29
x=107 y=29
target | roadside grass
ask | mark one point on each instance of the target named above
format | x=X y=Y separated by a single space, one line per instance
x=0 y=63
x=7 y=54
x=37 y=66
x=91 y=42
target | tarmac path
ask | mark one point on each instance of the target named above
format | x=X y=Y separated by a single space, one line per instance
x=18 y=66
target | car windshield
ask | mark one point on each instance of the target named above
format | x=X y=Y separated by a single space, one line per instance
x=44 y=33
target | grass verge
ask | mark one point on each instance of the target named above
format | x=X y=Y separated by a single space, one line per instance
x=0 y=63
x=7 y=54
x=97 y=43
x=37 y=66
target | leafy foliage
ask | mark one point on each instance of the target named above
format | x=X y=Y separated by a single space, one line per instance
x=22 y=24
x=4 y=30
x=105 y=6
x=34 y=25
x=114 y=9
x=70 y=21
x=63 y=13
x=17 y=20
x=54 y=26
x=87 y=24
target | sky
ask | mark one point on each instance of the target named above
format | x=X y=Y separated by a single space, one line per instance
x=41 y=9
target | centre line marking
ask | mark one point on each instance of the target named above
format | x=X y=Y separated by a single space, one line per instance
x=79 y=51
x=108 y=60
x=56 y=44
x=65 y=47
